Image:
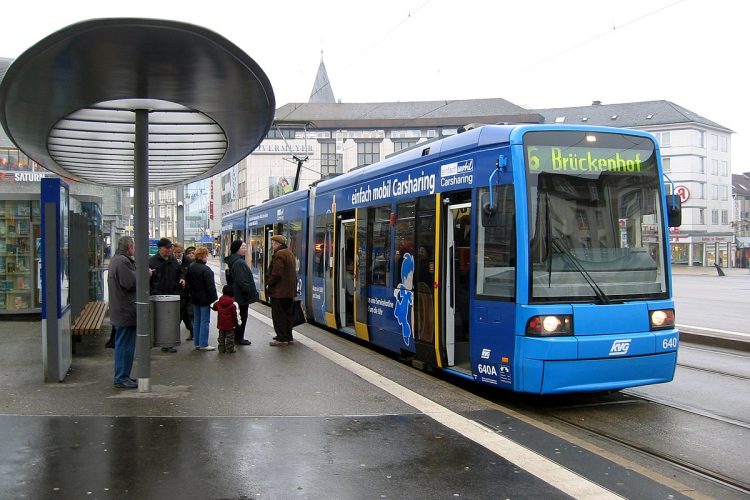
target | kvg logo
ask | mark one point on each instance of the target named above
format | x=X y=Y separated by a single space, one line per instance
x=619 y=347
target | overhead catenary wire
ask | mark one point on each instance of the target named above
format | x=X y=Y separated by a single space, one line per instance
x=447 y=102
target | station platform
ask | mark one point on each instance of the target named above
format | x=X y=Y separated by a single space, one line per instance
x=323 y=418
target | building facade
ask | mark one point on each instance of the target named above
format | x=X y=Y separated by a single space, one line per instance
x=324 y=138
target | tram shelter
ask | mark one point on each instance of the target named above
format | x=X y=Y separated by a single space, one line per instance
x=136 y=103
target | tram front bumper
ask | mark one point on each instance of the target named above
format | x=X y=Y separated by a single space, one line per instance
x=597 y=362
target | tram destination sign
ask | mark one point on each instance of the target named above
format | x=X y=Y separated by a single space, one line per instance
x=559 y=159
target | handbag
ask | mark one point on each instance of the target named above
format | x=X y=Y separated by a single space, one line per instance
x=299 y=314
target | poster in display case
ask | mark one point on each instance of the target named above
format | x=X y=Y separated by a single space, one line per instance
x=18 y=255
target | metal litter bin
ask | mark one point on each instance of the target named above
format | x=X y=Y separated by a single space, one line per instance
x=165 y=320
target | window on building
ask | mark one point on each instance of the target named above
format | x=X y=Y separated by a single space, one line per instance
x=666 y=164
x=714 y=192
x=714 y=167
x=724 y=168
x=242 y=182
x=725 y=216
x=724 y=190
x=330 y=162
x=701 y=136
x=367 y=153
x=715 y=217
x=226 y=188
x=700 y=191
x=724 y=144
x=701 y=165
x=714 y=142
x=276 y=133
x=701 y=216
x=663 y=138
x=400 y=145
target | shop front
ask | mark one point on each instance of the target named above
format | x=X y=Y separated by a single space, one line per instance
x=701 y=250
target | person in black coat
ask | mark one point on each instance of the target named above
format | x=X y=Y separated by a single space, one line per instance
x=166 y=276
x=200 y=281
x=243 y=283
x=186 y=309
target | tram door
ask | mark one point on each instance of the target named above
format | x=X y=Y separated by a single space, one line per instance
x=346 y=273
x=267 y=254
x=457 y=268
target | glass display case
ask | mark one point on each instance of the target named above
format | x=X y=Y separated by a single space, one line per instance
x=95 y=250
x=20 y=235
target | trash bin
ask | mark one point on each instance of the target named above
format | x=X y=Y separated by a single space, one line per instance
x=165 y=320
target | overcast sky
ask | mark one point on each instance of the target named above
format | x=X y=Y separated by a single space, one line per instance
x=534 y=53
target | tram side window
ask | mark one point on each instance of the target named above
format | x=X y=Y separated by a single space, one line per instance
x=256 y=248
x=280 y=228
x=381 y=247
x=496 y=247
x=318 y=263
x=404 y=237
x=295 y=242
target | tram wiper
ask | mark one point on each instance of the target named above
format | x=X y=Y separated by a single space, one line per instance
x=560 y=246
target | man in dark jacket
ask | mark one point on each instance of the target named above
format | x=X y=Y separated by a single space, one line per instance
x=281 y=287
x=122 y=311
x=245 y=292
x=165 y=274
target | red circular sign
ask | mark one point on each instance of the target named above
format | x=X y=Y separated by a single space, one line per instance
x=682 y=192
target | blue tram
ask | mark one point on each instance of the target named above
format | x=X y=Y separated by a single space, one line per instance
x=529 y=257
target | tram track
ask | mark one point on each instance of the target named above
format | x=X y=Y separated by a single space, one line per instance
x=688 y=408
x=588 y=414
x=714 y=372
x=735 y=484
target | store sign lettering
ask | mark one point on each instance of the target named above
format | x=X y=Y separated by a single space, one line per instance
x=22 y=176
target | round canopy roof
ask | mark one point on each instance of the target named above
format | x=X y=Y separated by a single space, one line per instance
x=69 y=101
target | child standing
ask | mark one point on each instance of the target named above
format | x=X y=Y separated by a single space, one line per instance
x=228 y=318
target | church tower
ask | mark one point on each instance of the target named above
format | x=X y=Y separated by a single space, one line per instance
x=322 y=91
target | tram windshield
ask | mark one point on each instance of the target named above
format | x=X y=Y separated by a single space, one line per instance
x=595 y=217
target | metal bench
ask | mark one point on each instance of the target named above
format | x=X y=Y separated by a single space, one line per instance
x=90 y=319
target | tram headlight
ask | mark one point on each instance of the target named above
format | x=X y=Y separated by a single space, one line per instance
x=661 y=319
x=550 y=326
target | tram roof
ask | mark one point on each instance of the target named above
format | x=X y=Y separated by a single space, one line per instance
x=280 y=201
x=69 y=101
x=478 y=137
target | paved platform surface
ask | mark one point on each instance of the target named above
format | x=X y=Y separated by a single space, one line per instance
x=270 y=423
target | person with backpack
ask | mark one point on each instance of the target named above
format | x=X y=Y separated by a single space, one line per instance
x=228 y=318
x=240 y=277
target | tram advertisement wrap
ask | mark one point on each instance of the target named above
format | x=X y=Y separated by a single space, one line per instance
x=417 y=182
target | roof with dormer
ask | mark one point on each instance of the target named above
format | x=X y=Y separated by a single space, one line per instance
x=631 y=114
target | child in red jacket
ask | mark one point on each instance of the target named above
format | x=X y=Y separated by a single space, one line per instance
x=228 y=318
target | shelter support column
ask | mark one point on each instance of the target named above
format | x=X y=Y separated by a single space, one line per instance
x=140 y=227
x=180 y=222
